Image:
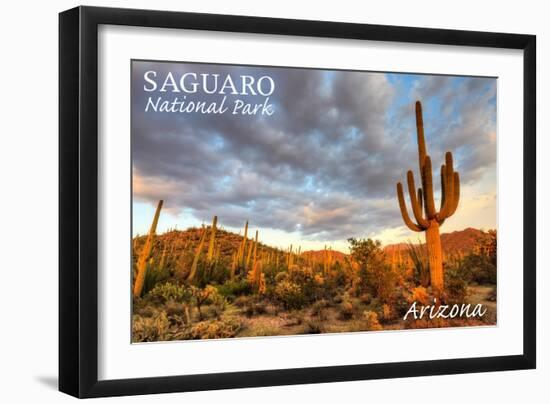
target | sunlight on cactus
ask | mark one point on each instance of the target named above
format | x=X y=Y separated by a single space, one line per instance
x=428 y=219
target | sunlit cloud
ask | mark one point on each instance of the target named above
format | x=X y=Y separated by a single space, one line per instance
x=323 y=168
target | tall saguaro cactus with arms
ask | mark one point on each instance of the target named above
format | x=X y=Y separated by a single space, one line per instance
x=427 y=218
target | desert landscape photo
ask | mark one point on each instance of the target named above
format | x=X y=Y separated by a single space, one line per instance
x=271 y=201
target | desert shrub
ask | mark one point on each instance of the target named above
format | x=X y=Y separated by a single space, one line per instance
x=437 y=322
x=218 y=271
x=363 y=251
x=144 y=310
x=346 y=310
x=365 y=298
x=231 y=289
x=289 y=294
x=338 y=298
x=173 y=309
x=336 y=277
x=261 y=330
x=490 y=316
x=154 y=276
x=360 y=284
x=272 y=309
x=306 y=280
x=319 y=280
x=148 y=329
x=255 y=307
x=375 y=275
x=294 y=318
x=492 y=296
x=209 y=273
x=480 y=268
x=456 y=285
x=387 y=313
x=170 y=291
x=211 y=329
x=242 y=301
x=370 y=319
x=313 y=326
x=489 y=247
x=203 y=296
x=420 y=295
x=281 y=276
x=318 y=309
x=217 y=306
x=421 y=268
x=404 y=274
x=383 y=281
x=403 y=303
x=273 y=274
x=366 y=254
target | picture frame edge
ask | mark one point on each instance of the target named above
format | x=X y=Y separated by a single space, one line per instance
x=78 y=204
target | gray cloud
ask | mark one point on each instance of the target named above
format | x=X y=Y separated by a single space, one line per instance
x=325 y=164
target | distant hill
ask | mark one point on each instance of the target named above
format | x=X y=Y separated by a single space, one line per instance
x=175 y=243
x=456 y=242
x=318 y=255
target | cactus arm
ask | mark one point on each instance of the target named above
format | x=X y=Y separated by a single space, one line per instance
x=427 y=186
x=420 y=199
x=420 y=136
x=447 y=185
x=410 y=224
x=456 y=193
x=416 y=207
x=443 y=188
x=446 y=195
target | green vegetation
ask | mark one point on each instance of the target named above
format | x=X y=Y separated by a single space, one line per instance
x=210 y=283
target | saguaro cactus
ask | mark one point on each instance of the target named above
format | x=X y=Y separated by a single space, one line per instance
x=255 y=275
x=325 y=261
x=162 y=262
x=422 y=201
x=289 y=260
x=233 y=266
x=249 y=256
x=255 y=253
x=198 y=251
x=145 y=253
x=242 y=249
x=211 y=246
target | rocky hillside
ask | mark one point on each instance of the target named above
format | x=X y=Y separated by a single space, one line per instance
x=173 y=244
x=318 y=256
x=457 y=242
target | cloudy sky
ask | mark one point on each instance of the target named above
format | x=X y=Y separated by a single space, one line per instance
x=324 y=166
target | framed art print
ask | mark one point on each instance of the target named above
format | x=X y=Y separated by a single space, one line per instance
x=248 y=201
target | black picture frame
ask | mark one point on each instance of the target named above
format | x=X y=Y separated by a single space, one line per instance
x=78 y=201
